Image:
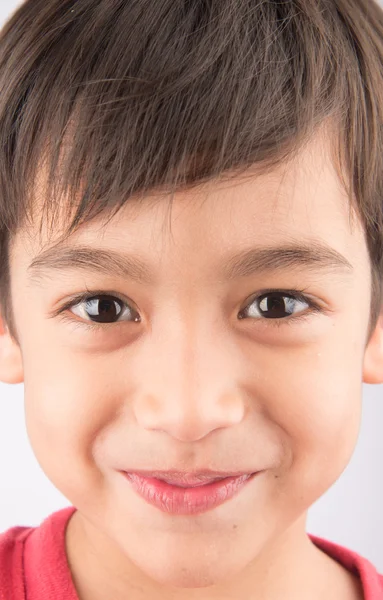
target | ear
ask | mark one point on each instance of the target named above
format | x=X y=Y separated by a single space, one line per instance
x=11 y=363
x=373 y=356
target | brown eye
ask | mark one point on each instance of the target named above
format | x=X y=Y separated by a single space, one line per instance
x=103 y=309
x=275 y=305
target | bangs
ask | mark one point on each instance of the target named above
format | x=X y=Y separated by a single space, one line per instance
x=116 y=104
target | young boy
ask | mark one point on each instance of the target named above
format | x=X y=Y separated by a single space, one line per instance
x=193 y=427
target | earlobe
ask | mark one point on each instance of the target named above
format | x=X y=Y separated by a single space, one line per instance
x=373 y=357
x=11 y=363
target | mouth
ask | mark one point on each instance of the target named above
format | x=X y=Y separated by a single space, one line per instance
x=187 y=494
x=189 y=479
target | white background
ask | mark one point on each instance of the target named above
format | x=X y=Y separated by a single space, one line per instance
x=350 y=513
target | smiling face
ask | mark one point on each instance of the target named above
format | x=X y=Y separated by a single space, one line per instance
x=172 y=378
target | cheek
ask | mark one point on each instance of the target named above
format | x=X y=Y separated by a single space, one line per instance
x=65 y=411
x=316 y=402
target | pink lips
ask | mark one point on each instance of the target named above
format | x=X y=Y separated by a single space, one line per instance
x=189 y=496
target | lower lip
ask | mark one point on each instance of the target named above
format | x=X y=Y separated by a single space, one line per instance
x=187 y=501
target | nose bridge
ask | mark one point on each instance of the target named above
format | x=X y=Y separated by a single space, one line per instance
x=192 y=388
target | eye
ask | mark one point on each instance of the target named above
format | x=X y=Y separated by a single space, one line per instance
x=101 y=308
x=278 y=305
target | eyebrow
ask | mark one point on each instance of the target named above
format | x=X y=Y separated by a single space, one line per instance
x=313 y=256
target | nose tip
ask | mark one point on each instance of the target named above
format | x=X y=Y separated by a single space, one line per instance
x=189 y=421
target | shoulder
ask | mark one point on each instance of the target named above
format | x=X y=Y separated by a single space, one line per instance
x=33 y=561
x=11 y=562
x=361 y=567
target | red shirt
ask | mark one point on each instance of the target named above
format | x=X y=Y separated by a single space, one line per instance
x=33 y=563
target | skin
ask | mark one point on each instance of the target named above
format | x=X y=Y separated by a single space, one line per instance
x=193 y=386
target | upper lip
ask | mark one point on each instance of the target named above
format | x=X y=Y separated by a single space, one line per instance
x=190 y=477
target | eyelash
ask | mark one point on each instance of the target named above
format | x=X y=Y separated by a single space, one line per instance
x=291 y=293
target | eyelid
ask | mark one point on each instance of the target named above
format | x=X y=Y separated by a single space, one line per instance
x=92 y=326
x=84 y=296
x=297 y=294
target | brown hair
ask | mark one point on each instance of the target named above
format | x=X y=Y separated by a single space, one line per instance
x=117 y=98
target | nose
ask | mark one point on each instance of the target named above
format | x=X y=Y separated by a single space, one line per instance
x=190 y=388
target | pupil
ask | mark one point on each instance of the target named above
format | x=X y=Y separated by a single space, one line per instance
x=275 y=305
x=102 y=310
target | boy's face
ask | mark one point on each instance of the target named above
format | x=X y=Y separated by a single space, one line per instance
x=191 y=386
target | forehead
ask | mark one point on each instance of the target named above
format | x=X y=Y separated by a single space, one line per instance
x=300 y=200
